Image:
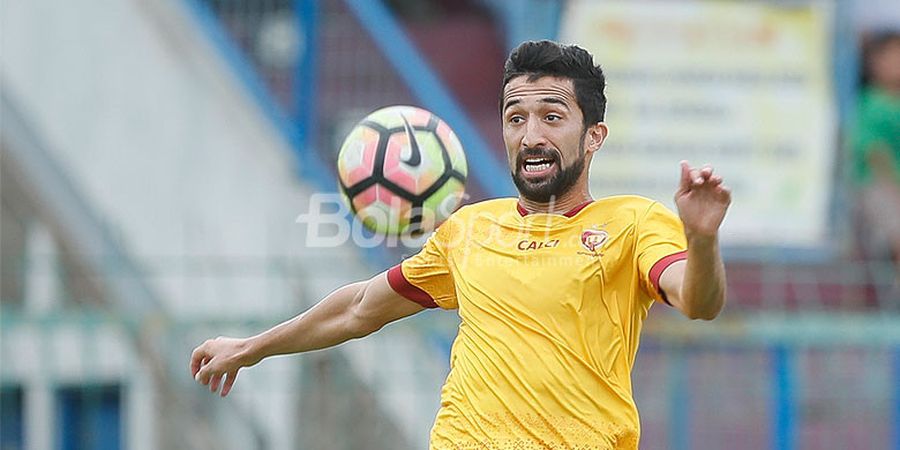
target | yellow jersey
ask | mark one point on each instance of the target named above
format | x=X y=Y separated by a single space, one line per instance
x=551 y=308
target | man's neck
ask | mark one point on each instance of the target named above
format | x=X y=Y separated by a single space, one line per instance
x=567 y=202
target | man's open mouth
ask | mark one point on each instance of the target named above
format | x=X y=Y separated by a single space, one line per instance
x=537 y=166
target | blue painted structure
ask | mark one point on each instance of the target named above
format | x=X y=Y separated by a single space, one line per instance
x=896 y=378
x=12 y=433
x=89 y=418
x=680 y=400
x=784 y=411
x=424 y=83
x=298 y=136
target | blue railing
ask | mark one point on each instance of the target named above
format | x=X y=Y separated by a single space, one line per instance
x=396 y=47
x=806 y=369
x=783 y=403
x=896 y=372
x=424 y=83
x=297 y=131
x=792 y=393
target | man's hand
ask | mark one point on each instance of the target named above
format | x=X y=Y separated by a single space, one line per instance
x=220 y=358
x=696 y=287
x=702 y=201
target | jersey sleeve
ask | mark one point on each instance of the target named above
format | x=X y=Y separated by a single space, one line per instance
x=660 y=242
x=425 y=277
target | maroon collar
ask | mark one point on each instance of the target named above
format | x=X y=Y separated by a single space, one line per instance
x=570 y=213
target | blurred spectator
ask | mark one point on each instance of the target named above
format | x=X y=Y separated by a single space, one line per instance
x=876 y=148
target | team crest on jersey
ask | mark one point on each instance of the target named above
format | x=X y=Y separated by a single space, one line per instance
x=593 y=240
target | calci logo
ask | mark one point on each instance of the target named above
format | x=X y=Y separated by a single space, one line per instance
x=593 y=240
x=527 y=244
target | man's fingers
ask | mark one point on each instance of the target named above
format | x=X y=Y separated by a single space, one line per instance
x=205 y=373
x=195 y=365
x=229 y=382
x=685 y=183
x=205 y=361
x=696 y=179
x=706 y=172
x=214 y=383
x=202 y=375
x=197 y=358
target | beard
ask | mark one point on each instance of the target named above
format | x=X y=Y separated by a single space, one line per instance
x=553 y=186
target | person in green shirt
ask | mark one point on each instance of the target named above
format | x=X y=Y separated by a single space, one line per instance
x=875 y=145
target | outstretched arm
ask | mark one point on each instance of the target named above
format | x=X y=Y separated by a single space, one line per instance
x=696 y=286
x=353 y=311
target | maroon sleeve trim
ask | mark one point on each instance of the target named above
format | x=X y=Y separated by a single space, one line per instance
x=657 y=270
x=402 y=286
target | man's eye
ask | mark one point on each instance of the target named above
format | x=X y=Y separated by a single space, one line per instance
x=516 y=119
x=553 y=117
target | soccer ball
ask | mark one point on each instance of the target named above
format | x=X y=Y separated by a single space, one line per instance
x=402 y=170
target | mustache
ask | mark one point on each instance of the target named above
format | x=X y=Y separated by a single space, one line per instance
x=537 y=152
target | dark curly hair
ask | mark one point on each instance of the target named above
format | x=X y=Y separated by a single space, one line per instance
x=537 y=59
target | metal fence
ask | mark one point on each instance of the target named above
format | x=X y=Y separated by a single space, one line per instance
x=769 y=378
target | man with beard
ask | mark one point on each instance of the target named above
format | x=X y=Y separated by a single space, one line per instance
x=552 y=288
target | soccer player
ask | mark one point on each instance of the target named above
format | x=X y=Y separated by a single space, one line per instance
x=551 y=288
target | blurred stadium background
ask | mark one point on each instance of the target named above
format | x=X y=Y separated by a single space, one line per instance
x=155 y=155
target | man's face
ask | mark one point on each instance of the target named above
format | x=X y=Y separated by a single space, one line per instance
x=544 y=136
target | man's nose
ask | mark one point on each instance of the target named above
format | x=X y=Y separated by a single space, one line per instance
x=534 y=135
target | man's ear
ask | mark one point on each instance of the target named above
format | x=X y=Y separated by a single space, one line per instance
x=595 y=136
